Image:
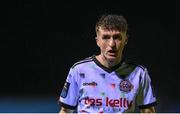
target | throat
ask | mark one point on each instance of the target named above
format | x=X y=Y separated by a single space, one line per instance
x=107 y=63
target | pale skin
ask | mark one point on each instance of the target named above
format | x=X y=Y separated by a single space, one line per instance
x=65 y=110
x=111 y=44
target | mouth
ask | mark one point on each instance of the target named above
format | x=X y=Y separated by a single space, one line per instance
x=112 y=52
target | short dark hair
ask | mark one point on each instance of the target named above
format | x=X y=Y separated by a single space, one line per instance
x=112 y=22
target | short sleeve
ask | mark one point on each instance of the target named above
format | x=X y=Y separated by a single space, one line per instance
x=69 y=93
x=146 y=97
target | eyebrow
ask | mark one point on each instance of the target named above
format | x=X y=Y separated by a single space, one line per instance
x=113 y=34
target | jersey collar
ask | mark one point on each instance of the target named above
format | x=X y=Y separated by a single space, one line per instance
x=109 y=70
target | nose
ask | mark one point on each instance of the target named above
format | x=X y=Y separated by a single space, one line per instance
x=112 y=42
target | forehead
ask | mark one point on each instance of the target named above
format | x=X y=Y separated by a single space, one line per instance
x=102 y=31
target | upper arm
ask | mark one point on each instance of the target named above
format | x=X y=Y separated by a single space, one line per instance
x=70 y=92
x=148 y=110
x=146 y=97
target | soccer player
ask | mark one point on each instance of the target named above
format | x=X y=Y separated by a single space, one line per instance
x=106 y=82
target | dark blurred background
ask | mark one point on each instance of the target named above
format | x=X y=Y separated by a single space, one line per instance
x=45 y=38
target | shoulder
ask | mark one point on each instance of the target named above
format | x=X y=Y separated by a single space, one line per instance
x=82 y=62
x=135 y=64
x=140 y=69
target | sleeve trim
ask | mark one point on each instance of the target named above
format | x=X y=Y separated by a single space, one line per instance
x=67 y=106
x=147 y=105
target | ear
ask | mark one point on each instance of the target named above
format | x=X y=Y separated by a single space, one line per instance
x=97 y=41
x=126 y=39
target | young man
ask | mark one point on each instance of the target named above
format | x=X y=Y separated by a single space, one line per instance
x=106 y=83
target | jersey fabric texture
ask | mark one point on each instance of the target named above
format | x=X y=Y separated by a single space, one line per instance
x=93 y=88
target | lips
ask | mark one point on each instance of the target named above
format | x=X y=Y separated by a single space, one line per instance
x=112 y=52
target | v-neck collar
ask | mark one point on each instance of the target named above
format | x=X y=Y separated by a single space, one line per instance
x=109 y=70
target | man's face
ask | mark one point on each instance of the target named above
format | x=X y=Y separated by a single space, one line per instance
x=111 y=43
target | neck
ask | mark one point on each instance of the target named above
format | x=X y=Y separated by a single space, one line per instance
x=108 y=63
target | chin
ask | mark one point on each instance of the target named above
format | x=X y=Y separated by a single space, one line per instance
x=111 y=58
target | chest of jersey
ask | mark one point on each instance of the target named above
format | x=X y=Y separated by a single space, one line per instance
x=101 y=89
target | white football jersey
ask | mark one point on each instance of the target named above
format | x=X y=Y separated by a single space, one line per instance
x=93 y=88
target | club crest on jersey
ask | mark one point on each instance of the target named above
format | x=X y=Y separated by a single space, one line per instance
x=125 y=86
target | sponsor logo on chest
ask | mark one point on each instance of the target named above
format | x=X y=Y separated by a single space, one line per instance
x=90 y=84
x=121 y=102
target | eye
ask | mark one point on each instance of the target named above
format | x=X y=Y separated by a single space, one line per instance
x=105 y=37
x=117 y=37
